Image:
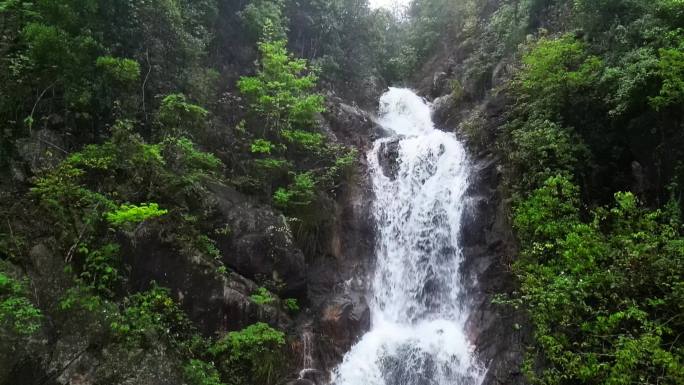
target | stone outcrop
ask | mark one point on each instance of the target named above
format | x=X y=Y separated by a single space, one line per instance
x=259 y=244
x=337 y=281
x=489 y=246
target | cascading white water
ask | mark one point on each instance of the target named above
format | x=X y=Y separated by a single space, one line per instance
x=417 y=313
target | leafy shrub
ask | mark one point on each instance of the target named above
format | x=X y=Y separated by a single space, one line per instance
x=150 y=315
x=671 y=70
x=100 y=272
x=457 y=90
x=632 y=81
x=310 y=141
x=262 y=296
x=272 y=164
x=300 y=193
x=63 y=195
x=198 y=372
x=251 y=354
x=92 y=156
x=291 y=305
x=188 y=158
x=281 y=92
x=262 y=146
x=179 y=117
x=119 y=70
x=605 y=296
x=128 y=215
x=264 y=17
x=557 y=70
x=540 y=149
x=17 y=313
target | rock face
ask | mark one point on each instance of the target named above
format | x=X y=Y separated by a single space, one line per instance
x=498 y=332
x=75 y=347
x=389 y=153
x=257 y=245
x=337 y=281
x=489 y=248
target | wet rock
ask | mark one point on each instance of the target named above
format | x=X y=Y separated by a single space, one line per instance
x=351 y=125
x=336 y=280
x=388 y=158
x=316 y=377
x=488 y=248
x=215 y=301
x=342 y=318
x=301 y=381
x=43 y=150
x=442 y=109
x=440 y=84
x=259 y=245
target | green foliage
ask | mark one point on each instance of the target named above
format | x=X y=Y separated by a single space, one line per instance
x=272 y=164
x=253 y=340
x=456 y=90
x=291 y=305
x=671 y=70
x=187 y=161
x=198 y=372
x=605 y=296
x=308 y=141
x=300 y=193
x=433 y=20
x=100 y=272
x=262 y=17
x=556 y=70
x=262 y=146
x=281 y=92
x=593 y=15
x=151 y=315
x=117 y=70
x=251 y=354
x=547 y=214
x=632 y=81
x=17 y=313
x=540 y=148
x=82 y=298
x=402 y=65
x=262 y=296
x=128 y=215
x=601 y=282
x=178 y=117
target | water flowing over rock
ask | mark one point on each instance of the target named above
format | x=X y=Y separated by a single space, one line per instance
x=418 y=311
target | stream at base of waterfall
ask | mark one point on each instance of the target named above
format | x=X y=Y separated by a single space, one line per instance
x=417 y=307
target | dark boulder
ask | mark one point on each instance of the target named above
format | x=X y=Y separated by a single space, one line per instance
x=259 y=243
x=257 y=246
x=350 y=125
x=214 y=300
x=388 y=156
x=489 y=247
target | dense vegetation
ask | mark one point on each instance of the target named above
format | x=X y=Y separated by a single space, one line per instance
x=596 y=113
x=592 y=156
x=119 y=116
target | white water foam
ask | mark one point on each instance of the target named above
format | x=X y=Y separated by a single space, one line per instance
x=417 y=313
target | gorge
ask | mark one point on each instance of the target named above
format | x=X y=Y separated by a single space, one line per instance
x=418 y=312
x=341 y=192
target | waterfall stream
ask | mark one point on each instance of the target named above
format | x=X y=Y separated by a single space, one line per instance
x=417 y=310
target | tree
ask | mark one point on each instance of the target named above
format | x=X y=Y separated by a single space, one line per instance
x=281 y=93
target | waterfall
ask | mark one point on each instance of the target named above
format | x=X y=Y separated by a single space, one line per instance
x=417 y=310
x=307 y=364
